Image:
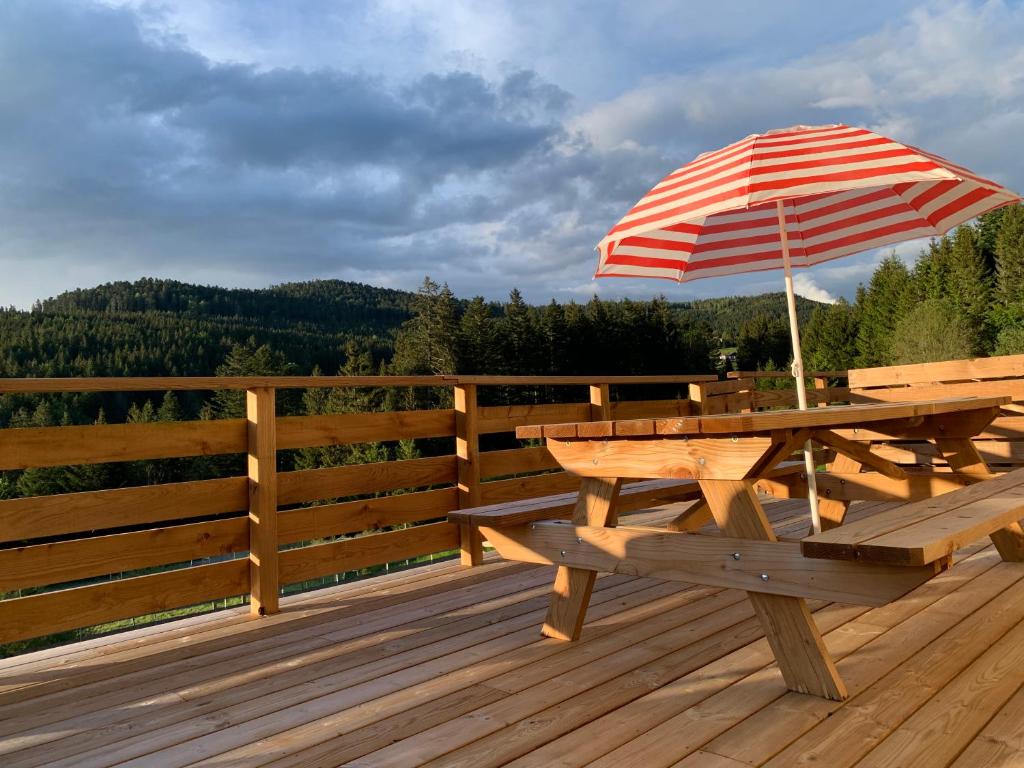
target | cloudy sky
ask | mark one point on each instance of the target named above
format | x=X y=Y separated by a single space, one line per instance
x=488 y=144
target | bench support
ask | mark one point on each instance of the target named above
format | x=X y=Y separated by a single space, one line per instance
x=570 y=596
x=962 y=455
x=787 y=622
x=833 y=511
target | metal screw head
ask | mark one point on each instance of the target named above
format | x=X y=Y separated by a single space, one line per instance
x=563 y=553
x=579 y=539
x=533 y=527
x=700 y=460
x=764 y=577
x=735 y=555
x=595 y=462
x=735 y=439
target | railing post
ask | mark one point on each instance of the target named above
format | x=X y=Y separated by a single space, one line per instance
x=821 y=386
x=698 y=398
x=467 y=449
x=262 y=436
x=600 y=402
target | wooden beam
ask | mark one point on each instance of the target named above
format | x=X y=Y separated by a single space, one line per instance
x=347 y=428
x=1004 y=366
x=661 y=458
x=962 y=455
x=695 y=517
x=787 y=622
x=833 y=511
x=707 y=560
x=36 y=615
x=597 y=506
x=356 y=479
x=859 y=452
x=65 y=561
x=37 y=517
x=356 y=553
x=867 y=486
x=263 y=575
x=600 y=402
x=26 y=447
x=467 y=451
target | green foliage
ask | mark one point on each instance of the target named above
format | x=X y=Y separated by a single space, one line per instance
x=728 y=315
x=829 y=339
x=879 y=308
x=930 y=332
x=764 y=343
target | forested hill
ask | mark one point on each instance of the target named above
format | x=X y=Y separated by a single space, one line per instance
x=728 y=316
x=329 y=305
x=167 y=328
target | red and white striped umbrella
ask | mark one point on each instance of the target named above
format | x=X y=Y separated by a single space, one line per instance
x=844 y=190
x=792 y=197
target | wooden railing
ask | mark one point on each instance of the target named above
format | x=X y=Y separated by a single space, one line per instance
x=250 y=535
x=740 y=392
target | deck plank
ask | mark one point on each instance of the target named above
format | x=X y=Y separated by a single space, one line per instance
x=443 y=666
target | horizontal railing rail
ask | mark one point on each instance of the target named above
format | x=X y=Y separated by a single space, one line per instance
x=86 y=558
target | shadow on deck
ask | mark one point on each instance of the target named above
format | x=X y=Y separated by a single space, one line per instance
x=445 y=666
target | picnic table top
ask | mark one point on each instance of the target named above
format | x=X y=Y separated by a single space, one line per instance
x=833 y=416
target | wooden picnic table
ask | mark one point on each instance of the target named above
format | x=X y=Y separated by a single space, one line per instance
x=727 y=455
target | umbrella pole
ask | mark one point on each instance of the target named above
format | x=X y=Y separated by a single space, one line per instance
x=798 y=368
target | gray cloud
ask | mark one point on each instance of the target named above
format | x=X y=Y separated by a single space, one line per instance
x=490 y=145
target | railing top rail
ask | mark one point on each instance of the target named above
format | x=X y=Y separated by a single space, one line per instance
x=164 y=383
x=583 y=380
x=783 y=374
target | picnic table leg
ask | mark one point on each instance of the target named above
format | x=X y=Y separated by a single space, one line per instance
x=788 y=625
x=695 y=517
x=962 y=456
x=570 y=596
x=833 y=511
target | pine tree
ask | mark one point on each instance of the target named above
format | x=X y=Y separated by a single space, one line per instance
x=1009 y=250
x=248 y=359
x=477 y=348
x=968 y=288
x=829 y=338
x=426 y=343
x=879 y=307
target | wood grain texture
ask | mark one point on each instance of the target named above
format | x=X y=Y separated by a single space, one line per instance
x=514 y=489
x=65 y=561
x=264 y=584
x=844 y=542
x=347 y=428
x=660 y=458
x=928 y=373
x=326 y=520
x=792 y=634
x=467 y=452
x=360 y=552
x=833 y=511
x=570 y=595
x=514 y=461
x=702 y=559
x=26 y=617
x=43 y=516
x=21 y=448
x=357 y=479
x=632 y=496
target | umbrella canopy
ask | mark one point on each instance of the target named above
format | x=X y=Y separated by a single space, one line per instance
x=844 y=190
x=795 y=196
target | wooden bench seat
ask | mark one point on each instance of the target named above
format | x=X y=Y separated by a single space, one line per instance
x=632 y=497
x=927 y=531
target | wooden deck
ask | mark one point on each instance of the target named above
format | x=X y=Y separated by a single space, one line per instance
x=444 y=666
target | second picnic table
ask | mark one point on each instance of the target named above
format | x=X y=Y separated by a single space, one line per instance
x=727 y=455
